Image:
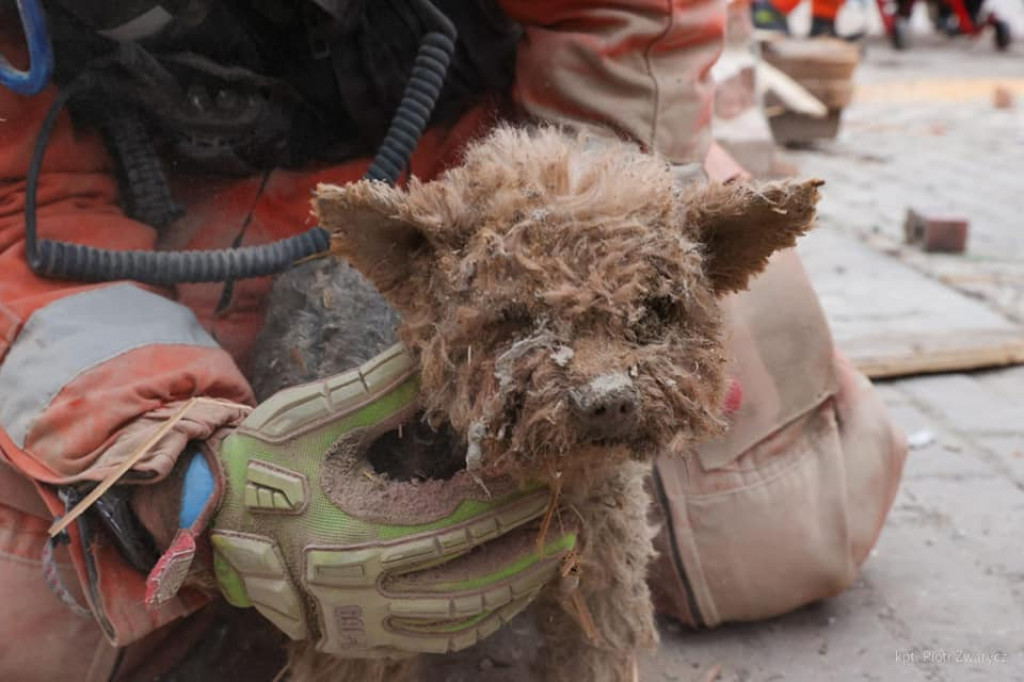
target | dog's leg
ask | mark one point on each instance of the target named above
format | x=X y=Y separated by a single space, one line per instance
x=600 y=642
x=570 y=655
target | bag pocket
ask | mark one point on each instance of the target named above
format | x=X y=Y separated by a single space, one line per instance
x=787 y=522
x=763 y=535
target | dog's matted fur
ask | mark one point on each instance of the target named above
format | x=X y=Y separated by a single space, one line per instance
x=562 y=299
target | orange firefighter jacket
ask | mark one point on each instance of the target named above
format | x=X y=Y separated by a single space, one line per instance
x=79 y=363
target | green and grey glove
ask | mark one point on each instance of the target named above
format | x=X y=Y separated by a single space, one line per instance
x=367 y=566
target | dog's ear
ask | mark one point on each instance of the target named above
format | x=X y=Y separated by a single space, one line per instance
x=742 y=224
x=373 y=228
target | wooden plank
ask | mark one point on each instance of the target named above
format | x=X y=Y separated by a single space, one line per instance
x=883 y=358
x=793 y=95
x=891 y=320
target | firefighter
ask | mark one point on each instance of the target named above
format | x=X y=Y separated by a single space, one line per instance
x=198 y=125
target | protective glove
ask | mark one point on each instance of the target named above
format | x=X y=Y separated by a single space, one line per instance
x=367 y=566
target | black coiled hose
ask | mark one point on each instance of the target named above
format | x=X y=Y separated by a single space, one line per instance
x=413 y=113
x=90 y=264
x=146 y=192
x=64 y=260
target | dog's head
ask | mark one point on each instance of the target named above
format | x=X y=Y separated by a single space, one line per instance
x=562 y=299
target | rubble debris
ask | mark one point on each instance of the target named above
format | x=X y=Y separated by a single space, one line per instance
x=1002 y=97
x=936 y=232
x=920 y=439
x=820 y=75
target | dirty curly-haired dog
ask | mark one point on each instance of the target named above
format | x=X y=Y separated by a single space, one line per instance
x=562 y=300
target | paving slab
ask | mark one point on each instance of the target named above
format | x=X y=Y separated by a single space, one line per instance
x=966 y=404
x=891 y=319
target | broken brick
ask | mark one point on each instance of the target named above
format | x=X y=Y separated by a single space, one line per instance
x=936 y=232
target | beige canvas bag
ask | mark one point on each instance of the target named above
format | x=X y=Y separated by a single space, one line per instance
x=782 y=510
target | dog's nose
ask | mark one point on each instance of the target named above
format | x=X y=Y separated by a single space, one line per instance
x=606 y=407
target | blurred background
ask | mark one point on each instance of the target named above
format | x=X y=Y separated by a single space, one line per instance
x=916 y=124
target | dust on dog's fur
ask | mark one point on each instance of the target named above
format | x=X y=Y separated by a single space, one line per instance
x=537 y=267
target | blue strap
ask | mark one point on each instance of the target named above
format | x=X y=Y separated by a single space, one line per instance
x=30 y=82
x=197 y=490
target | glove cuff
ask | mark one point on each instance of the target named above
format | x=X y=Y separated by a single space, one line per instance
x=200 y=493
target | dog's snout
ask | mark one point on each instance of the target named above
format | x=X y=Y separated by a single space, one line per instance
x=606 y=407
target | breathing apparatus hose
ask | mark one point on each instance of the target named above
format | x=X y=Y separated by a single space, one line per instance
x=418 y=100
x=30 y=82
x=65 y=260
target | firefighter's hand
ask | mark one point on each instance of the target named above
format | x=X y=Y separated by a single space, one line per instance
x=366 y=566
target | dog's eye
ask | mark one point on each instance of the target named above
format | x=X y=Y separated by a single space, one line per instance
x=657 y=313
x=661 y=307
